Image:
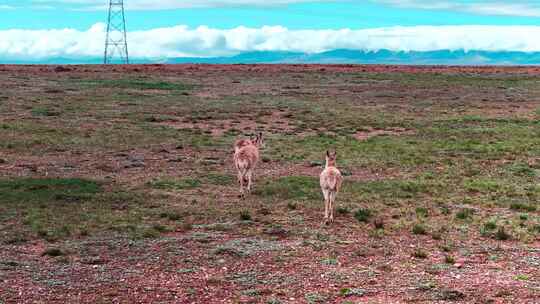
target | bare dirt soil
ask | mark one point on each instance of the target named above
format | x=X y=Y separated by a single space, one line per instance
x=117 y=184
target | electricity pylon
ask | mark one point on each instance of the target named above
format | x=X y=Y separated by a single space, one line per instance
x=116 y=41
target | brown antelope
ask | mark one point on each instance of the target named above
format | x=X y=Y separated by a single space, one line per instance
x=242 y=143
x=330 y=182
x=246 y=156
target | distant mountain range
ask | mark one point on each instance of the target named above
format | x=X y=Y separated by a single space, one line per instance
x=443 y=57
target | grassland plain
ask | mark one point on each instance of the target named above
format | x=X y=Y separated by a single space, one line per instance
x=117 y=184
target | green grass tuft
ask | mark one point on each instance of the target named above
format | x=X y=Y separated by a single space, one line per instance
x=419 y=229
x=520 y=206
x=245 y=215
x=363 y=215
x=502 y=235
x=464 y=214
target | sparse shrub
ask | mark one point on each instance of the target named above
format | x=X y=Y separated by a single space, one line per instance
x=491 y=225
x=524 y=216
x=436 y=235
x=488 y=228
x=419 y=254
x=464 y=214
x=346 y=172
x=292 y=205
x=150 y=233
x=53 y=252
x=276 y=230
x=502 y=235
x=171 y=215
x=519 y=206
x=376 y=233
x=42 y=233
x=363 y=215
x=522 y=277
x=421 y=212
x=348 y=292
x=343 y=210
x=159 y=227
x=445 y=210
x=419 y=229
x=159 y=118
x=83 y=232
x=322 y=237
x=426 y=285
x=378 y=223
x=330 y=261
x=245 y=215
x=186 y=226
x=448 y=259
x=446 y=247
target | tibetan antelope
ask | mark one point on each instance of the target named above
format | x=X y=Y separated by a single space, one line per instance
x=330 y=182
x=246 y=156
x=242 y=143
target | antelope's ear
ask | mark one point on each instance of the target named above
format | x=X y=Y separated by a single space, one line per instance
x=327 y=153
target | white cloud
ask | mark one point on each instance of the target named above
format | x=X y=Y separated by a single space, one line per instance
x=181 y=41
x=521 y=8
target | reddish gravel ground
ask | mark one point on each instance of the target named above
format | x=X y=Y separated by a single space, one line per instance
x=281 y=253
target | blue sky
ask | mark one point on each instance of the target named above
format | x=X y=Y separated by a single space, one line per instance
x=204 y=28
x=43 y=14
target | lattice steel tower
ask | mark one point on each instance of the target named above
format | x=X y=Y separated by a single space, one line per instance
x=116 y=41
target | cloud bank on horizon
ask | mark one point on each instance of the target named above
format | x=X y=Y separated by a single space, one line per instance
x=182 y=41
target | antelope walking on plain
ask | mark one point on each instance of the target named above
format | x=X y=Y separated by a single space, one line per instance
x=330 y=182
x=246 y=157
